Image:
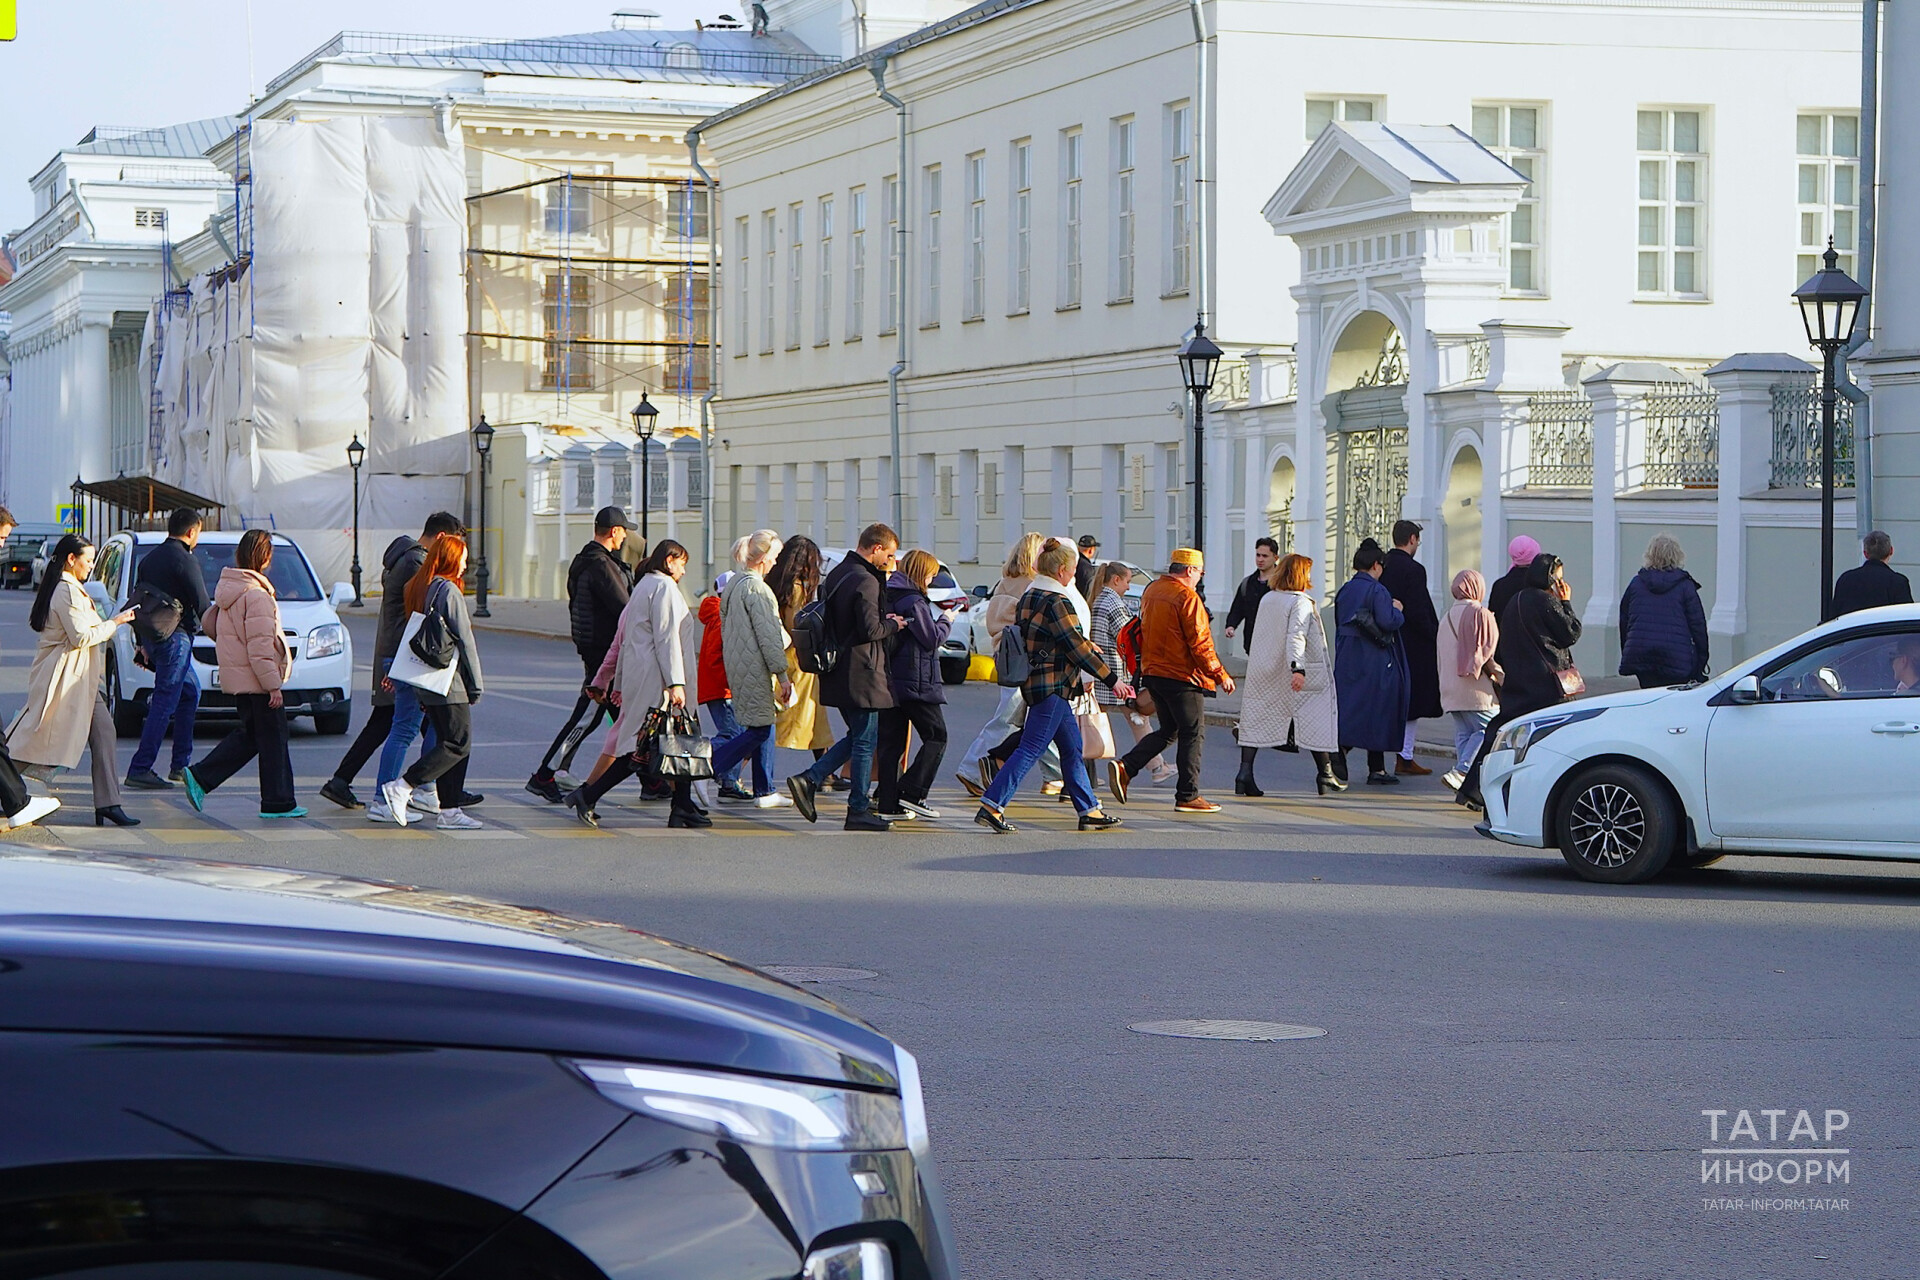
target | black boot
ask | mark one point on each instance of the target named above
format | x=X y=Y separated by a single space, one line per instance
x=586 y=800
x=116 y=815
x=1326 y=780
x=1243 y=784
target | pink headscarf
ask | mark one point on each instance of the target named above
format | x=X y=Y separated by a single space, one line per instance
x=1475 y=630
x=1522 y=550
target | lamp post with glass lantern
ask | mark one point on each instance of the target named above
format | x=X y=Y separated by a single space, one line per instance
x=1199 y=357
x=645 y=417
x=483 y=445
x=356 y=454
x=1829 y=305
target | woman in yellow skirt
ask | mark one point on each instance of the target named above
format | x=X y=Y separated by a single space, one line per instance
x=794 y=581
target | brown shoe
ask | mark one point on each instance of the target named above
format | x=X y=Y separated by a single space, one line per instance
x=1117 y=780
x=1199 y=804
x=1408 y=767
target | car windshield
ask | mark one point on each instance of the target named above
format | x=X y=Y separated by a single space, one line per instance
x=287 y=571
x=943 y=581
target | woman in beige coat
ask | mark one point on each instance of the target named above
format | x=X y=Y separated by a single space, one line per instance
x=1289 y=695
x=65 y=711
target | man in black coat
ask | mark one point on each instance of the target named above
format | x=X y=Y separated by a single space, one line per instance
x=1406 y=578
x=1874 y=583
x=172 y=569
x=400 y=562
x=1086 y=566
x=1252 y=589
x=857 y=686
x=597 y=587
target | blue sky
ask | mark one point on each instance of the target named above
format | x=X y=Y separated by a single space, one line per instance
x=79 y=63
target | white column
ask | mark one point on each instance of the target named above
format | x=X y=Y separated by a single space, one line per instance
x=1616 y=392
x=820 y=518
x=1013 y=493
x=967 y=504
x=1112 y=497
x=1744 y=385
x=849 y=502
x=789 y=499
x=762 y=496
x=926 y=498
x=1895 y=367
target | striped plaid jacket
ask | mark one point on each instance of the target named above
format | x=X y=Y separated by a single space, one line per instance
x=1057 y=650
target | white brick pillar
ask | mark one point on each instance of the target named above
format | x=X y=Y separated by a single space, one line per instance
x=967 y=505
x=1616 y=392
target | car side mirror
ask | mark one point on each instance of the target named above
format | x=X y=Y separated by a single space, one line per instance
x=341 y=595
x=1745 y=691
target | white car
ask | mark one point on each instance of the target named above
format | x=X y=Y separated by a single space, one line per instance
x=1812 y=748
x=321 y=684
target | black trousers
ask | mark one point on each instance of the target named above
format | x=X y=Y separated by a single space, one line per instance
x=372 y=736
x=262 y=732
x=583 y=720
x=929 y=721
x=13 y=788
x=1179 y=713
x=446 y=764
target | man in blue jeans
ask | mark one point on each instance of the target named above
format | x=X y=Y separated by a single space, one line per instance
x=172 y=568
x=858 y=686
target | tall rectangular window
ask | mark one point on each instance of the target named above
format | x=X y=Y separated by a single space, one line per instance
x=1123 y=210
x=823 y=303
x=1020 y=228
x=1180 y=198
x=796 y=247
x=976 y=236
x=1072 y=211
x=743 y=291
x=1513 y=133
x=1322 y=112
x=568 y=307
x=687 y=212
x=1829 y=196
x=890 y=192
x=687 y=322
x=769 y=251
x=1672 y=231
x=856 y=260
x=931 y=318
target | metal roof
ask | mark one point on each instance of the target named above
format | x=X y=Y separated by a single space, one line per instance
x=179 y=141
x=1435 y=153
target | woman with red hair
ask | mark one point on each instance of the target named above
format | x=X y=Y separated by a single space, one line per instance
x=435 y=591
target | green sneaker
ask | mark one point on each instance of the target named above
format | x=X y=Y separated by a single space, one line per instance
x=196 y=795
x=295 y=812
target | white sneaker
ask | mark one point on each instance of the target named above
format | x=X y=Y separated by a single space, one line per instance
x=398 y=795
x=424 y=801
x=378 y=812
x=458 y=820
x=36 y=808
x=1453 y=778
x=1162 y=775
x=773 y=800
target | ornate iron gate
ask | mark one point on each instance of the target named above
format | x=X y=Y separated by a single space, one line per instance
x=1367 y=470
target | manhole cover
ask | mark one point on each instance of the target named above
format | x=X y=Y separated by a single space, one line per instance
x=817 y=972
x=1226 y=1029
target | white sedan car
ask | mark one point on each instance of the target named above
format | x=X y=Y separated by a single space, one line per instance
x=1812 y=748
x=321 y=685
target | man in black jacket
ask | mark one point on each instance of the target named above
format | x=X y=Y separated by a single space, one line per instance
x=858 y=685
x=172 y=568
x=1253 y=588
x=597 y=587
x=1406 y=578
x=1085 y=565
x=1874 y=583
x=402 y=559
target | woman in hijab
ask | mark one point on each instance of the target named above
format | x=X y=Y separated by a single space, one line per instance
x=1538 y=630
x=1468 y=635
x=1520 y=554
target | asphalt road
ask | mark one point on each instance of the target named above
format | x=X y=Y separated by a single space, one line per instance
x=1515 y=1066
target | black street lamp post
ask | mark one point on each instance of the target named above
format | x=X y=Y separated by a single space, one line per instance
x=356 y=454
x=1829 y=305
x=645 y=417
x=1199 y=357
x=483 y=445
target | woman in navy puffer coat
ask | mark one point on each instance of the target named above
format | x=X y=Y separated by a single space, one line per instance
x=1663 y=626
x=913 y=670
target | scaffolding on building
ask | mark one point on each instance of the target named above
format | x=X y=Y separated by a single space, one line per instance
x=591 y=288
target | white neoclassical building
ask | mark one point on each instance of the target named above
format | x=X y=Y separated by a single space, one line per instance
x=1474 y=274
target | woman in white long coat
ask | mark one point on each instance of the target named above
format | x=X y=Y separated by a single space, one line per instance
x=1289 y=694
x=651 y=670
x=65 y=712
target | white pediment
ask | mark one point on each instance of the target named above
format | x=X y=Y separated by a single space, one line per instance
x=1357 y=172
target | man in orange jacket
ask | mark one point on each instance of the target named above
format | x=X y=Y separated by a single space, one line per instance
x=1178 y=667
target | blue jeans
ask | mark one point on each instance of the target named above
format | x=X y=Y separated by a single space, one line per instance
x=176 y=698
x=1468 y=728
x=863 y=732
x=754 y=744
x=1050 y=724
x=406 y=726
x=725 y=728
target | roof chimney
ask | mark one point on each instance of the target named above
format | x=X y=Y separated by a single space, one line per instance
x=635 y=19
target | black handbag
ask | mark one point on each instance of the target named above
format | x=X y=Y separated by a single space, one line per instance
x=1364 y=623
x=433 y=642
x=674 y=747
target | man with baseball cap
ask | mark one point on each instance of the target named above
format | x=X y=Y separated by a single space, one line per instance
x=1178 y=667
x=597 y=587
x=1086 y=566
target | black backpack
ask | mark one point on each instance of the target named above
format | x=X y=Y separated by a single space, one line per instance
x=815 y=651
x=156 y=615
x=433 y=643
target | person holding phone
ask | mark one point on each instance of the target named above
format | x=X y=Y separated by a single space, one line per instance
x=919 y=694
x=1538 y=630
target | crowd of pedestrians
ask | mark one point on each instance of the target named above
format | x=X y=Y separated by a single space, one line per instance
x=774 y=644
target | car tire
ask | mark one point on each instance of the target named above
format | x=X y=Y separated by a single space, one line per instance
x=953 y=670
x=332 y=724
x=129 y=717
x=1617 y=824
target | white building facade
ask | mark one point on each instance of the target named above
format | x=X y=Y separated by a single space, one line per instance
x=1078 y=185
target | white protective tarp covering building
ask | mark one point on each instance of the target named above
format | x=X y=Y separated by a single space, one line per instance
x=348 y=320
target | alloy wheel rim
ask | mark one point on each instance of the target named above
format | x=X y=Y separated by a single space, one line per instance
x=1608 y=825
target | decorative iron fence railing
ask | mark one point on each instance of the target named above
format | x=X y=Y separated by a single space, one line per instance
x=1796 y=437
x=1680 y=437
x=1560 y=440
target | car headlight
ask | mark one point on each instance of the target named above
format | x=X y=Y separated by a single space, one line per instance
x=862 y=1260
x=326 y=640
x=1522 y=734
x=767 y=1113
